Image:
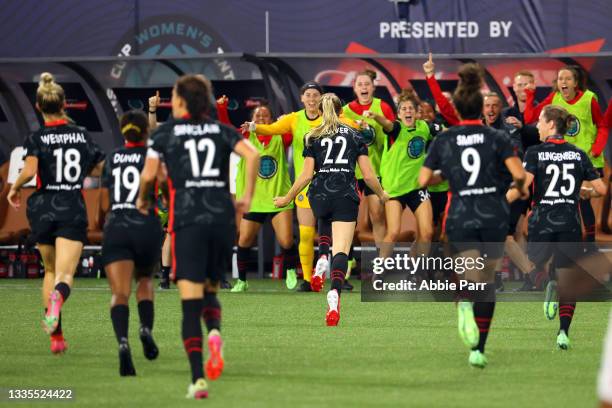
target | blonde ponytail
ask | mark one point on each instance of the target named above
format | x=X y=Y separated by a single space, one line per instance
x=50 y=95
x=330 y=107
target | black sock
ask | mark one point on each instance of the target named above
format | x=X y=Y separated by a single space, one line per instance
x=339 y=266
x=289 y=258
x=211 y=311
x=146 y=313
x=120 y=315
x=566 y=313
x=165 y=273
x=588 y=219
x=242 y=258
x=325 y=231
x=483 y=314
x=64 y=290
x=58 y=329
x=192 y=336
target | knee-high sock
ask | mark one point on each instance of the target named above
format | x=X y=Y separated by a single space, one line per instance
x=484 y=307
x=566 y=313
x=242 y=259
x=588 y=219
x=120 y=316
x=211 y=311
x=146 y=313
x=306 y=250
x=339 y=266
x=324 y=237
x=289 y=258
x=192 y=336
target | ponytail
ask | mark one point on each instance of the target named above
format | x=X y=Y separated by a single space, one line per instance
x=50 y=96
x=562 y=119
x=330 y=108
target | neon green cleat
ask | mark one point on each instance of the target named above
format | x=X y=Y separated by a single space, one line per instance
x=550 y=304
x=477 y=359
x=468 y=329
x=291 y=279
x=199 y=390
x=240 y=286
x=563 y=342
x=352 y=264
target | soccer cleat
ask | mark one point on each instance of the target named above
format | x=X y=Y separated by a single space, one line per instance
x=240 y=286
x=347 y=286
x=468 y=329
x=291 y=279
x=225 y=284
x=321 y=270
x=54 y=308
x=214 y=364
x=550 y=304
x=58 y=344
x=148 y=344
x=304 y=287
x=164 y=284
x=563 y=342
x=199 y=390
x=126 y=366
x=477 y=359
x=333 y=308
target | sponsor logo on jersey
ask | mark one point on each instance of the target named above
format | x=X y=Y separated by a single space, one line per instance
x=267 y=167
x=416 y=147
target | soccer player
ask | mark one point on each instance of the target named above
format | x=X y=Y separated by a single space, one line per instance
x=196 y=151
x=131 y=240
x=364 y=88
x=60 y=154
x=471 y=157
x=331 y=152
x=403 y=155
x=589 y=132
x=272 y=181
x=557 y=169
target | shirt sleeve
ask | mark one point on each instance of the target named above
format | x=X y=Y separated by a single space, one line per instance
x=308 y=150
x=362 y=148
x=602 y=129
x=32 y=148
x=232 y=136
x=589 y=172
x=445 y=107
x=531 y=161
x=106 y=174
x=387 y=111
x=97 y=155
x=432 y=160
x=532 y=113
x=157 y=143
x=281 y=126
x=504 y=147
x=223 y=114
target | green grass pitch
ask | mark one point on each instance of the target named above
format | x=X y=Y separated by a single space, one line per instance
x=279 y=353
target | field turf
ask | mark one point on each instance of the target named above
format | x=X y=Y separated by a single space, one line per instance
x=279 y=353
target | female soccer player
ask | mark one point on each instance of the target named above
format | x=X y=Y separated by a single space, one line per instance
x=272 y=181
x=131 y=240
x=331 y=153
x=402 y=158
x=196 y=151
x=589 y=132
x=60 y=155
x=557 y=169
x=365 y=101
x=471 y=157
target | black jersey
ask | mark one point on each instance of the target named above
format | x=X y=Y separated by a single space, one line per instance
x=559 y=169
x=197 y=157
x=66 y=154
x=469 y=157
x=335 y=159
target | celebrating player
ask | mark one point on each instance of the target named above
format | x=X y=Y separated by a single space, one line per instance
x=332 y=151
x=131 y=240
x=471 y=156
x=60 y=154
x=196 y=151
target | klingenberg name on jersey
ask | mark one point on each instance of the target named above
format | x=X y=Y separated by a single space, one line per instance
x=558 y=156
x=196 y=130
x=469 y=140
x=63 y=138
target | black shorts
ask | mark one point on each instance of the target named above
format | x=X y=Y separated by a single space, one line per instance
x=363 y=189
x=343 y=209
x=438 y=204
x=260 y=217
x=412 y=199
x=45 y=232
x=488 y=241
x=565 y=246
x=202 y=252
x=517 y=208
x=140 y=242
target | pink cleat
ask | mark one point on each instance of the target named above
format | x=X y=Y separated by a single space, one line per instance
x=54 y=308
x=58 y=344
x=214 y=364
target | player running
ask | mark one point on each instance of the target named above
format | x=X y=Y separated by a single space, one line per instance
x=472 y=156
x=60 y=154
x=196 y=151
x=557 y=169
x=331 y=152
x=131 y=240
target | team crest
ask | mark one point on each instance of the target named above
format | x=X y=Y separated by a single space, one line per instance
x=574 y=128
x=416 y=147
x=267 y=167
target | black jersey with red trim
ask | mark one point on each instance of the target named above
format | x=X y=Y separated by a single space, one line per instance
x=66 y=154
x=197 y=154
x=471 y=157
x=559 y=168
x=335 y=159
